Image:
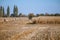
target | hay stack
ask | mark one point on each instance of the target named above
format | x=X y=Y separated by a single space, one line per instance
x=47 y=20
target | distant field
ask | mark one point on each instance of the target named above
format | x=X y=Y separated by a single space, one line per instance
x=39 y=20
x=18 y=29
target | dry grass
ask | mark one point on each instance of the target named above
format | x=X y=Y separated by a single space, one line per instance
x=30 y=32
x=49 y=34
x=17 y=29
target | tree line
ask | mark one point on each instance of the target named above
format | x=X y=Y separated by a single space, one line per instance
x=15 y=13
x=3 y=14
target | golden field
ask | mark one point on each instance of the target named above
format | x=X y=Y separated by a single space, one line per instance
x=19 y=28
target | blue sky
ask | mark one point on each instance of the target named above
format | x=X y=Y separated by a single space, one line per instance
x=32 y=6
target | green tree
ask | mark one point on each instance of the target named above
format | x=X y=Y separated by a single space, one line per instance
x=47 y=14
x=12 y=15
x=1 y=11
x=56 y=14
x=8 y=11
x=20 y=14
x=37 y=15
x=41 y=14
x=31 y=15
x=15 y=11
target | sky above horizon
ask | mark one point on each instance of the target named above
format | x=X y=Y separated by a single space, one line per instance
x=32 y=6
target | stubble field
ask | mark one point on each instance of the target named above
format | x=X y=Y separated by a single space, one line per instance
x=20 y=30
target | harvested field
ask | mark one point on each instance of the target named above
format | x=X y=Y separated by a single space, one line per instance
x=14 y=30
